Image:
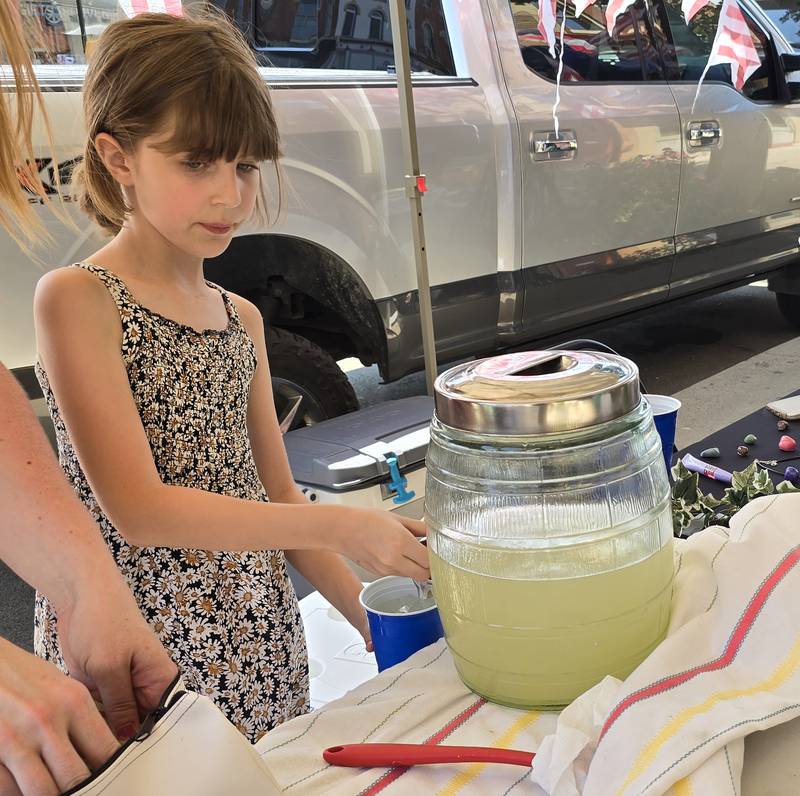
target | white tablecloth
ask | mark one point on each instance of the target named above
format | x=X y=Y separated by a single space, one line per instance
x=728 y=668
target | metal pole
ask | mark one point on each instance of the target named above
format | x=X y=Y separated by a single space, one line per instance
x=82 y=25
x=414 y=183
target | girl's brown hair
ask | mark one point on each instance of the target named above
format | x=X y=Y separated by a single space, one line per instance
x=17 y=163
x=194 y=75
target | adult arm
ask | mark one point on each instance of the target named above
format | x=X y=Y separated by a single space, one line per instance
x=51 y=734
x=48 y=538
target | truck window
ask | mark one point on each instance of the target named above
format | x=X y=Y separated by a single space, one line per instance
x=686 y=49
x=785 y=15
x=354 y=35
x=63 y=32
x=590 y=54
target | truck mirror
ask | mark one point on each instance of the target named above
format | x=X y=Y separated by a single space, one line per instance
x=791 y=62
x=790 y=70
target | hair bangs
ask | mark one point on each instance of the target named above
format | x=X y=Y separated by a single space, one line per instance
x=223 y=116
x=192 y=83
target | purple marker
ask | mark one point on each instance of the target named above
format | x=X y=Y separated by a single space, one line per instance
x=694 y=465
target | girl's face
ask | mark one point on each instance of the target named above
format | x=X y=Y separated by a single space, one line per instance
x=196 y=206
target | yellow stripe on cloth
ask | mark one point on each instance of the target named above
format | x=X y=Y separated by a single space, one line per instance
x=682 y=788
x=474 y=769
x=782 y=672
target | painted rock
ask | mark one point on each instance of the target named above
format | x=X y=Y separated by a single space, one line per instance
x=750 y=439
x=783 y=425
x=787 y=443
x=710 y=453
x=792 y=475
x=743 y=450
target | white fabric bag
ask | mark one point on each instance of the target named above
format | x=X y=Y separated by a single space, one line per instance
x=186 y=747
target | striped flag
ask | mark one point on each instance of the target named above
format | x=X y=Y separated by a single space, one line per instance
x=691 y=7
x=547 y=24
x=581 y=6
x=733 y=45
x=614 y=9
x=133 y=7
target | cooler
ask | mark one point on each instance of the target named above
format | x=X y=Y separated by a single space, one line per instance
x=373 y=458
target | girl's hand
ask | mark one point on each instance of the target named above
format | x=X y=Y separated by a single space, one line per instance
x=362 y=626
x=384 y=543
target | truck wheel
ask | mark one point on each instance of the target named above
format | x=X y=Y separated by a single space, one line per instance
x=307 y=384
x=789 y=305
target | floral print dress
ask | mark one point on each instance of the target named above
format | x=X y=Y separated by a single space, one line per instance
x=230 y=620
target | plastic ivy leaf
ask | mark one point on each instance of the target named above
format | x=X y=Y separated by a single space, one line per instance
x=694 y=525
x=692 y=510
x=686 y=488
x=785 y=486
x=679 y=471
x=742 y=479
x=686 y=484
x=710 y=502
x=761 y=484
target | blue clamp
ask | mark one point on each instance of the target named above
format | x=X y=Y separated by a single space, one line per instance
x=398 y=482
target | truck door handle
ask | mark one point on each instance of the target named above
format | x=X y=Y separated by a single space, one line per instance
x=704 y=134
x=547 y=145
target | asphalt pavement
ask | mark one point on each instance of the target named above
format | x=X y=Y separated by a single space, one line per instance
x=723 y=356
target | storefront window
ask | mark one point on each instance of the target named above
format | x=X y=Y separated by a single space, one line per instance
x=376 y=25
x=346 y=35
x=63 y=31
x=590 y=54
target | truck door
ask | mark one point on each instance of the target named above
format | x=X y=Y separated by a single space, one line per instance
x=740 y=185
x=600 y=192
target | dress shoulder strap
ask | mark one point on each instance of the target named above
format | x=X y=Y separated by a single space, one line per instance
x=115 y=286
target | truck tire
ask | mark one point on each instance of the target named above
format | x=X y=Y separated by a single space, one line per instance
x=789 y=305
x=306 y=376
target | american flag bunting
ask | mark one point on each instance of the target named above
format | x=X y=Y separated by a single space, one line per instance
x=691 y=7
x=132 y=8
x=733 y=45
x=547 y=24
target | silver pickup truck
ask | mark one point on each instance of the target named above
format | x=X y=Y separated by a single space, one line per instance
x=642 y=195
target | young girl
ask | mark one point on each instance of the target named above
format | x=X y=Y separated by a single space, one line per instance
x=159 y=387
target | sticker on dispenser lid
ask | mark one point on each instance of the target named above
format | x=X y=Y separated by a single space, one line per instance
x=527 y=364
x=503 y=365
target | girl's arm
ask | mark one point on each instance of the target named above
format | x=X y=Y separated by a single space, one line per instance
x=79 y=339
x=325 y=570
x=330 y=575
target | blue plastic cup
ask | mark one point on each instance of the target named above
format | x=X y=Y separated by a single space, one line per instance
x=665 y=416
x=396 y=636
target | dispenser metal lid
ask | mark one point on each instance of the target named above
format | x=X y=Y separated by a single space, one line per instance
x=537 y=392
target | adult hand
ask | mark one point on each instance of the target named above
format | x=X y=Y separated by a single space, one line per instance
x=385 y=543
x=51 y=734
x=108 y=646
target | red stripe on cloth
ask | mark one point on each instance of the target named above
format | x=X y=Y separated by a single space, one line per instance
x=449 y=728
x=735 y=641
x=139 y=7
x=695 y=7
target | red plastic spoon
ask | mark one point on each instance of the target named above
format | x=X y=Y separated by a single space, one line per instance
x=387 y=755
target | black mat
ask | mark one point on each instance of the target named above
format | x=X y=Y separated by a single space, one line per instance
x=763 y=424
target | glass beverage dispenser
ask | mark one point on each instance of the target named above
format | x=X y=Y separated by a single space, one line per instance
x=550 y=526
